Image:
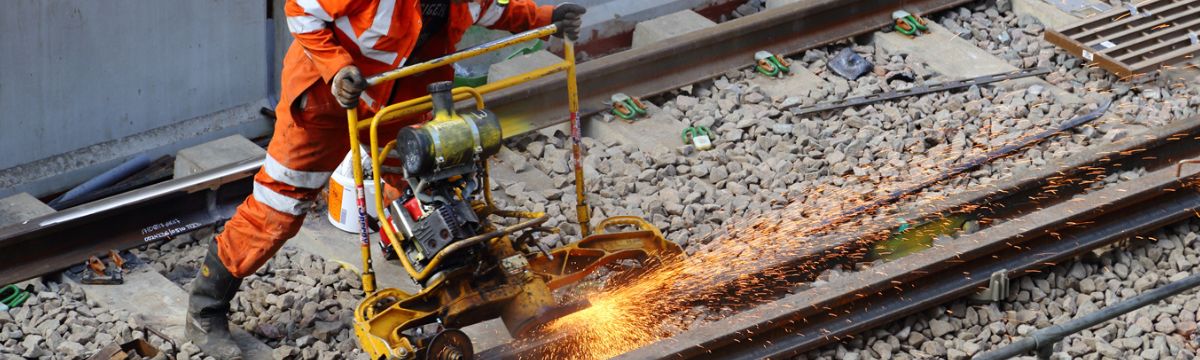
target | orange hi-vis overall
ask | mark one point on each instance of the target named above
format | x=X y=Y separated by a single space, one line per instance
x=310 y=137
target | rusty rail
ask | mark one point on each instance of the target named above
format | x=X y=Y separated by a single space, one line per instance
x=800 y=331
x=1043 y=231
x=773 y=330
x=815 y=317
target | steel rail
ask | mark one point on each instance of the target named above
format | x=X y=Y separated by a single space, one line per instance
x=953 y=283
x=1008 y=198
x=817 y=316
x=1160 y=147
x=153 y=213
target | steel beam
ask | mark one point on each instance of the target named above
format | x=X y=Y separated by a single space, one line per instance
x=153 y=213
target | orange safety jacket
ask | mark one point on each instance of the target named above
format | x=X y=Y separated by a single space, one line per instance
x=378 y=36
x=310 y=136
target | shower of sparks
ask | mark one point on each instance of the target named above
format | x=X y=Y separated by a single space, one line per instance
x=740 y=267
x=751 y=261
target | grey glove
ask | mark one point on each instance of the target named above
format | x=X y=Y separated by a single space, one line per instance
x=347 y=85
x=569 y=18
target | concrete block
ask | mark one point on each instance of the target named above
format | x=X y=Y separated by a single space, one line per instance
x=505 y=167
x=161 y=305
x=956 y=58
x=20 y=208
x=503 y=170
x=214 y=154
x=320 y=238
x=521 y=64
x=779 y=89
x=658 y=129
x=772 y=4
x=1048 y=14
x=666 y=27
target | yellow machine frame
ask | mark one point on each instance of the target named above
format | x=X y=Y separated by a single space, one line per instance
x=446 y=299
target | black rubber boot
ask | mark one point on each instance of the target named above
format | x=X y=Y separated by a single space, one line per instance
x=208 y=308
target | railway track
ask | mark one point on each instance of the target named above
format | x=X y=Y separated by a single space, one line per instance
x=1063 y=219
x=1036 y=221
x=1028 y=236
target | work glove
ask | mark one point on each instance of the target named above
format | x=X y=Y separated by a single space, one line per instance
x=569 y=18
x=347 y=85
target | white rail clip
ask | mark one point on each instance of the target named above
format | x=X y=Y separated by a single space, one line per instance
x=997 y=288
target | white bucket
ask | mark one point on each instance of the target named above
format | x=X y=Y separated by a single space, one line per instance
x=343 y=205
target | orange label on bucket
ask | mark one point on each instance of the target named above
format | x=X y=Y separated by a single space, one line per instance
x=335 y=200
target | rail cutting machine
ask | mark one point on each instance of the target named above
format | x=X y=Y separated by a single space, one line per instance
x=474 y=261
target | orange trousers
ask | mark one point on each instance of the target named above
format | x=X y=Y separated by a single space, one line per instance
x=301 y=156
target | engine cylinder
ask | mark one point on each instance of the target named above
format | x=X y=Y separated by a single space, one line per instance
x=450 y=139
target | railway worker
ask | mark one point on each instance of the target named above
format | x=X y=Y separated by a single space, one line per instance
x=337 y=43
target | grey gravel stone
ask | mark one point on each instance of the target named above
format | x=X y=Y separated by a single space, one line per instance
x=301 y=307
x=939 y=327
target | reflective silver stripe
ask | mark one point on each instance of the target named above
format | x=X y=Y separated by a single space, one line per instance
x=492 y=15
x=297 y=178
x=312 y=7
x=379 y=28
x=366 y=43
x=280 y=202
x=304 y=24
x=367 y=98
x=474 y=7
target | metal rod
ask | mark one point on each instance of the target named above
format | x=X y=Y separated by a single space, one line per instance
x=921 y=90
x=423 y=104
x=465 y=54
x=1049 y=336
x=360 y=199
x=104 y=180
x=970 y=165
x=582 y=210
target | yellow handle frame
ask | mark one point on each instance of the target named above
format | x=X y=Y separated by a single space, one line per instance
x=424 y=104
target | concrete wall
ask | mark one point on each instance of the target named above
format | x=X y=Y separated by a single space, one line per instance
x=75 y=73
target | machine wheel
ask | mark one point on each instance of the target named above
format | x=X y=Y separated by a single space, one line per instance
x=450 y=344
